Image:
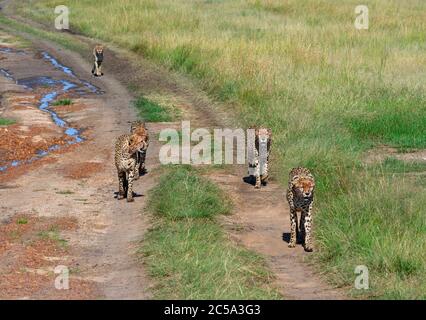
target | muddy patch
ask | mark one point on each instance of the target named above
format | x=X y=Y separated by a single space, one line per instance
x=82 y=170
x=30 y=249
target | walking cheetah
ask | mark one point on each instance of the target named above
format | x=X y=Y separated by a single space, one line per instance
x=259 y=156
x=98 y=54
x=139 y=127
x=126 y=147
x=300 y=196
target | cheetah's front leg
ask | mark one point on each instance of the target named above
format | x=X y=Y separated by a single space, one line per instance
x=130 y=186
x=293 y=228
x=257 y=174
x=121 y=178
x=265 y=173
x=137 y=171
x=308 y=229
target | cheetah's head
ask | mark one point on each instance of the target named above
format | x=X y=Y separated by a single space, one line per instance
x=263 y=137
x=303 y=187
x=143 y=133
x=136 y=143
x=99 y=49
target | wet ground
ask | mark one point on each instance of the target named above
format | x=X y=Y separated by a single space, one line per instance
x=37 y=92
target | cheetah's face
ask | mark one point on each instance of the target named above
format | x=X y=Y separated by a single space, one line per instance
x=303 y=187
x=263 y=135
x=142 y=132
x=99 y=49
x=136 y=143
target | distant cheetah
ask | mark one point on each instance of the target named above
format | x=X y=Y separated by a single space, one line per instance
x=259 y=163
x=98 y=54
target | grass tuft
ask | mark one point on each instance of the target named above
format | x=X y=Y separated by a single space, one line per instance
x=187 y=252
x=6 y=122
x=63 y=102
x=151 y=111
x=182 y=193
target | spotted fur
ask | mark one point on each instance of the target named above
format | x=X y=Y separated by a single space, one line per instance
x=300 y=197
x=139 y=127
x=258 y=167
x=126 y=147
x=98 y=54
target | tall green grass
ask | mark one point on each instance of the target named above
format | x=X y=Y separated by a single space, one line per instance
x=187 y=252
x=328 y=91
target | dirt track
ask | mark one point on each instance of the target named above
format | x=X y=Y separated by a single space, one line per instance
x=80 y=181
x=107 y=228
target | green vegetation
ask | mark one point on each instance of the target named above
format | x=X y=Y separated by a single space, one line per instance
x=328 y=91
x=65 y=192
x=63 y=102
x=6 y=122
x=53 y=234
x=151 y=111
x=392 y=165
x=22 y=221
x=188 y=253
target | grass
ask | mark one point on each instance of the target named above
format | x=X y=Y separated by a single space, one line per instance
x=6 y=122
x=200 y=197
x=63 y=102
x=22 y=221
x=53 y=234
x=328 y=91
x=65 y=192
x=151 y=111
x=393 y=165
x=187 y=252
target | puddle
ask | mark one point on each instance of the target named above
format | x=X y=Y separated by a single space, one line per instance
x=69 y=72
x=58 y=87
x=11 y=50
x=6 y=74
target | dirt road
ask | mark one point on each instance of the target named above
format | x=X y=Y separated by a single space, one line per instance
x=78 y=181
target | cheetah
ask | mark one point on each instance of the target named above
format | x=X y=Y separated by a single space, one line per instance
x=300 y=197
x=139 y=127
x=259 y=156
x=98 y=53
x=126 y=148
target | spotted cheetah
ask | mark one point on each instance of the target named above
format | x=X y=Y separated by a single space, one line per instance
x=139 y=127
x=259 y=156
x=98 y=54
x=300 y=197
x=126 y=147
